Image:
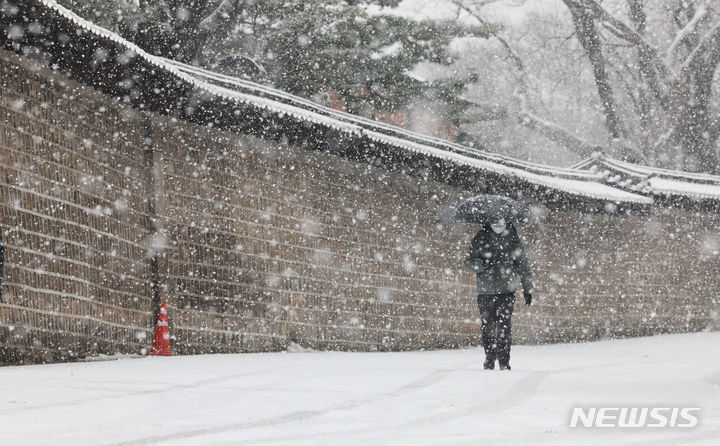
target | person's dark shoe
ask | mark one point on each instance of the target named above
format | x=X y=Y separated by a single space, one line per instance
x=489 y=364
x=505 y=366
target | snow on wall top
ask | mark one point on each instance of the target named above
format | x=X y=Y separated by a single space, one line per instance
x=571 y=181
x=646 y=170
x=700 y=190
x=656 y=181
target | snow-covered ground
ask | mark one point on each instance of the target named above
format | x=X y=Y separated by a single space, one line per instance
x=418 y=398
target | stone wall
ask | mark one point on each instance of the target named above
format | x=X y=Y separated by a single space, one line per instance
x=257 y=244
x=608 y=276
x=74 y=220
x=268 y=244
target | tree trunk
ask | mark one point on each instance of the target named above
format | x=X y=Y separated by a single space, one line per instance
x=637 y=16
x=696 y=124
x=589 y=38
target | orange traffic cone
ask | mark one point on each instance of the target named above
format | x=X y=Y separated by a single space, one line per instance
x=161 y=341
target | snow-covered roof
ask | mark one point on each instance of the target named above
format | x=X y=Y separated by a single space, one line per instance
x=575 y=182
x=654 y=181
x=700 y=190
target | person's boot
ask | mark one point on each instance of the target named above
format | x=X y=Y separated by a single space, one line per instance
x=505 y=366
x=489 y=364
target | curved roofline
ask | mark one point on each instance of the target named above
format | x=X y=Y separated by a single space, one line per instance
x=674 y=187
x=573 y=182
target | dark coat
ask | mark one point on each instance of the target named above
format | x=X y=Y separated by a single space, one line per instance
x=498 y=260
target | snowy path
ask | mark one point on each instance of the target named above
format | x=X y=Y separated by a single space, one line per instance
x=418 y=398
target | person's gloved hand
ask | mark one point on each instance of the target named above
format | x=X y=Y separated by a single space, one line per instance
x=528 y=298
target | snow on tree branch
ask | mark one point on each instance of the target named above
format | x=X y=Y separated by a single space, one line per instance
x=706 y=55
x=503 y=42
x=223 y=12
x=630 y=35
x=684 y=33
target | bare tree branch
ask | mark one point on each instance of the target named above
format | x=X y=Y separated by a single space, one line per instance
x=627 y=33
x=556 y=133
x=476 y=16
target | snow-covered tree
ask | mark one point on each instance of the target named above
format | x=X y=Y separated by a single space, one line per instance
x=653 y=67
x=358 y=49
x=655 y=64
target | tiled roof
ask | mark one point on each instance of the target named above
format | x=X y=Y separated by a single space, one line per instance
x=598 y=179
x=652 y=181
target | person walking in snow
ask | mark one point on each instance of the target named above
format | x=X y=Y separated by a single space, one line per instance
x=498 y=259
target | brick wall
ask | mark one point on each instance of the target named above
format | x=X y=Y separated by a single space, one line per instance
x=606 y=276
x=267 y=243
x=259 y=244
x=74 y=220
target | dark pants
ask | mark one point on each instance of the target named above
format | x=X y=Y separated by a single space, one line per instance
x=496 y=311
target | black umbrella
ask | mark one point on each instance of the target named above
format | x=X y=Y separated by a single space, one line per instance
x=487 y=209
